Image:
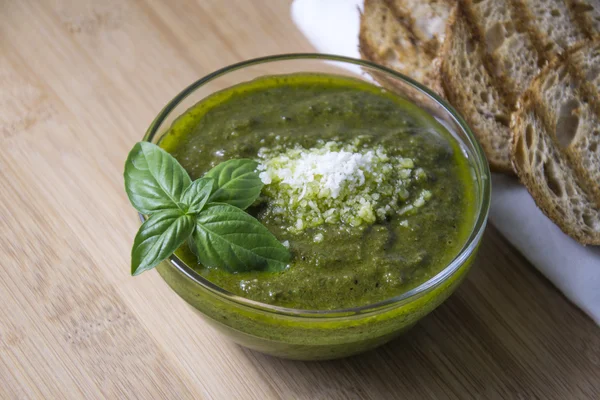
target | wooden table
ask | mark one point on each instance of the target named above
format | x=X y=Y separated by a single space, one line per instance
x=80 y=81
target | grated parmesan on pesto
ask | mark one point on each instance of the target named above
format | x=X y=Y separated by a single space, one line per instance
x=337 y=184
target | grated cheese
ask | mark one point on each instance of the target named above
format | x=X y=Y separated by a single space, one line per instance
x=336 y=184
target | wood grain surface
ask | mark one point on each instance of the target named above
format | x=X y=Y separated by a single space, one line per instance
x=80 y=81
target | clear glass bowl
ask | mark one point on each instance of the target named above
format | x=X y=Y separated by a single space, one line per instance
x=317 y=334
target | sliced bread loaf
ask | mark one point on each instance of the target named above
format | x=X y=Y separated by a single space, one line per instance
x=556 y=144
x=513 y=38
x=510 y=55
x=469 y=88
x=388 y=37
x=508 y=42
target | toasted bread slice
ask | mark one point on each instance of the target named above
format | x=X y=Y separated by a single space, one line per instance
x=508 y=42
x=512 y=39
x=386 y=38
x=469 y=88
x=556 y=145
x=509 y=52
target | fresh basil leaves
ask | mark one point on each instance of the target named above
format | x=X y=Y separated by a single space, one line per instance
x=154 y=180
x=207 y=213
x=197 y=194
x=158 y=238
x=236 y=182
x=232 y=238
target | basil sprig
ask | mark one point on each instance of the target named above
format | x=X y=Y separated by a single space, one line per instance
x=154 y=180
x=208 y=213
x=236 y=183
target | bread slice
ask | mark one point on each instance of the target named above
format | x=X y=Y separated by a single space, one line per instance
x=508 y=41
x=562 y=104
x=469 y=87
x=509 y=52
x=556 y=144
x=511 y=40
x=387 y=38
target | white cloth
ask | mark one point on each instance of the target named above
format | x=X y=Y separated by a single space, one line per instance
x=332 y=27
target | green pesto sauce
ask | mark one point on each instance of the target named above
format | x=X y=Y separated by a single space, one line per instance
x=350 y=267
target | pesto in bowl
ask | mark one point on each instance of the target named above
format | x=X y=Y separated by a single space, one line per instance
x=381 y=202
x=343 y=131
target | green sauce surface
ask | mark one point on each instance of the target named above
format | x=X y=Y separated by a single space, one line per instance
x=350 y=266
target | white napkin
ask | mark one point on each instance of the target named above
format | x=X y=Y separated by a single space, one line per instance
x=332 y=27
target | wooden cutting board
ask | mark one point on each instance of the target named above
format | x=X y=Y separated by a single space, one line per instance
x=80 y=81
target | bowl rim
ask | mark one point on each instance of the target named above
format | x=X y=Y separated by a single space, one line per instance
x=466 y=251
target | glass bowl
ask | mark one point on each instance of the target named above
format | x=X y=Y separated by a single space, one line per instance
x=318 y=334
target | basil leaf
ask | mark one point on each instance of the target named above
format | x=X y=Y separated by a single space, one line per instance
x=154 y=180
x=158 y=238
x=227 y=237
x=236 y=182
x=197 y=194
